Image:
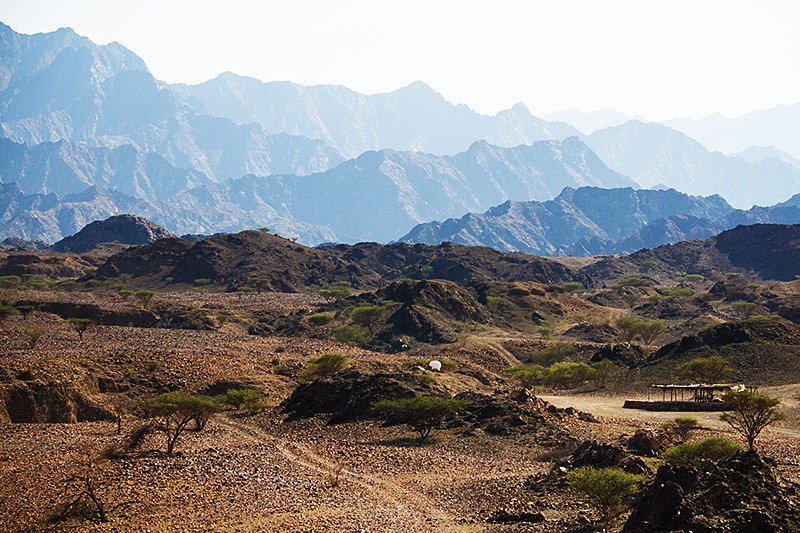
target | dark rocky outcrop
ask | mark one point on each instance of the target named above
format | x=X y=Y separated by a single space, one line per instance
x=603 y=455
x=48 y=402
x=349 y=395
x=429 y=311
x=97 y=314
x=649 y=443
x=629 y=355
x=124 y=229
x=742 y=494
x=592 y=332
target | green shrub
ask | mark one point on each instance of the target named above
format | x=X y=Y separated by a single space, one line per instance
x=632 y=327
x=125 y=293
x=681 y=426
x=568 y=374
x=712 y=369
x=24 y=310
x=426 y=379
x=674 y=292
x=202 y=281
x=544 y=331
x=573 y=286
x=7 y=311
x=608 y=489
x=694 y=453
x=529 y=375
x=320 y=319
x=633 y=281
x=551 y=354
x=350 y=335
x=337 y=291
x=325 y=365
x=10 y=282
x=369 y=316
x=421 y=413
x=251 y=399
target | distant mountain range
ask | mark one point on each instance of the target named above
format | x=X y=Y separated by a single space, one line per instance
x=412 y=118
x=86 y=132
x=60 y=86
x=377 y=196
x=657 y=156
x=592 y=221
x=777 y=126
x=588 y=122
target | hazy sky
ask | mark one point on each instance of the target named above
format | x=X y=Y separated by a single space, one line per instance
x=660 y=59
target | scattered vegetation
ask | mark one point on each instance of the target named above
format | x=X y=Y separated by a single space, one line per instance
x=712 y=369
x=325 y=365
x=634 y=281
x=369 y=316
x=608 y=489
x=351 y=334
x=32 y=336
x=421 y=413
x=84 y=489
x=338 y=291
x=751 y=413
x=561 y=375
x=743 y=309
x=24 y=310
x=694 y=453
x=320 y=319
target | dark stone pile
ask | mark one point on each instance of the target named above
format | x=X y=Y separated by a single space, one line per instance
x=741 y=494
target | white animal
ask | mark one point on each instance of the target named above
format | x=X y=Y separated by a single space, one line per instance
x=435 y=365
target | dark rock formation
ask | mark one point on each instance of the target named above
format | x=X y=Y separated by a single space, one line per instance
x=742 y=494
x=48 y=402
x=124 y=229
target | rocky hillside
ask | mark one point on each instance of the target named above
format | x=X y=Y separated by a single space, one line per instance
x=275 y=263
x=767 y=251
x=123 y=229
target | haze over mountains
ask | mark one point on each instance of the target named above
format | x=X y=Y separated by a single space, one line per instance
x=87 y=132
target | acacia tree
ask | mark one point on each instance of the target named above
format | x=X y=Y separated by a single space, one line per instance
x=85 y=488
x=421 y=413
x=712 y=369
x=80 y=325
x=751 y=413
x=172 y=412
x=144 y=297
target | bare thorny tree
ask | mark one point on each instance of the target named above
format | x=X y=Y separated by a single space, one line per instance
x=86 y=488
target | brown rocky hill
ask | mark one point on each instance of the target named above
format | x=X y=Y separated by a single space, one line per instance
x=236 y=260
x=768 y=251
x=124 y=229
x=761 y=351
